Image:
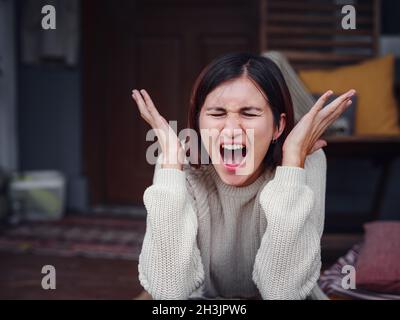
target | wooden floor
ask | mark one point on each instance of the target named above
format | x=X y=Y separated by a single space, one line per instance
x=76 y=278
x=94 y=278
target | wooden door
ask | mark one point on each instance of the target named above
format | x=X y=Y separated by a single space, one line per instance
x=157 y=45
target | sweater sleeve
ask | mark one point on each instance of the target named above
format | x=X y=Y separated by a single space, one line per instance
x=170 y=264
x=288 y=262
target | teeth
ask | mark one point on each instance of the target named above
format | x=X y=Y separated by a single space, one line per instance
x=232 y=146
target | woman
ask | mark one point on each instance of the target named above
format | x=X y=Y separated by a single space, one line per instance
x=249 y=224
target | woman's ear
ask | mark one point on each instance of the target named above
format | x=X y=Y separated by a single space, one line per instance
x=281 y=128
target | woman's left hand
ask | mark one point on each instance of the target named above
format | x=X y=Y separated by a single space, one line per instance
x=304 y=139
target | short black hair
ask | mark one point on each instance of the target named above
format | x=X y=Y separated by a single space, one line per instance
x=265 y=74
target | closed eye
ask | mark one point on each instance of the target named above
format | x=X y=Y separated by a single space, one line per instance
x=246 y=114
x=217 y=115
x=251 y=112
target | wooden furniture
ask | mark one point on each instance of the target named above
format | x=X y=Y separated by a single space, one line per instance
x=156 y=45
x=163 y=45
x=310 y=33
x=381 y=150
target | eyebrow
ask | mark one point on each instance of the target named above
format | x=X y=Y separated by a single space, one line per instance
x=247 y=108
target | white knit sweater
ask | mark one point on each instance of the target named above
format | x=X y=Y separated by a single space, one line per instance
x=206 y=238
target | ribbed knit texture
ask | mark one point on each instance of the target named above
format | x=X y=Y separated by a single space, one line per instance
x=206 y=238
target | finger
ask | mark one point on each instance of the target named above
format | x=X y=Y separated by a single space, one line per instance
x=144 y=112
x=149 y=103
x=335 y=114
x=318 y=145
x=342 y=108
x=325 y=123
x=348 y=95
x=159 y=121
x=140 y=101
x=331 y=113
x=321 y=101
x=339 y=101
x=142 y=108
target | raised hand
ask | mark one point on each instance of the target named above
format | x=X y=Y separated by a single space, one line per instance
x=304 y=139
x=172 y=150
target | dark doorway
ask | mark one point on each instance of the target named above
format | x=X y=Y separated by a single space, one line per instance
x=157 y=45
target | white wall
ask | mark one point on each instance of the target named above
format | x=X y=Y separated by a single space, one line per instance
x=8 y=105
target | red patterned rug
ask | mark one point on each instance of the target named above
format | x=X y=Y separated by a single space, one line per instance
x=87 y=236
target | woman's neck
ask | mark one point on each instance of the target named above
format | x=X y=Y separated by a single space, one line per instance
x=254 y=176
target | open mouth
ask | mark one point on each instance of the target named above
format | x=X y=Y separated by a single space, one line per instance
x=233 y=155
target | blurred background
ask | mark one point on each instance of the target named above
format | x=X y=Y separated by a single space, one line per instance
x=72 y=144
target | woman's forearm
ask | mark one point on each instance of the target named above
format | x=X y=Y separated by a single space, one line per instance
x=288 y=261
x=169 y=264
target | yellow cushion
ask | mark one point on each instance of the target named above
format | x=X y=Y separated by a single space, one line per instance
x=376 y=112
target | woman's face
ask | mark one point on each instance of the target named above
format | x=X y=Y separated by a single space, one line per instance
x=237 y=127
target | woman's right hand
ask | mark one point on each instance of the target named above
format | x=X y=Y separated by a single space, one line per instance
x=172 y=150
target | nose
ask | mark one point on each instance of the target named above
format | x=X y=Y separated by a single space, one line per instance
x=232 y=127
